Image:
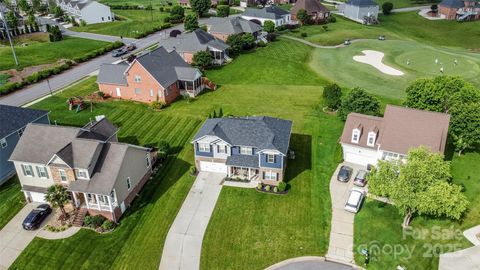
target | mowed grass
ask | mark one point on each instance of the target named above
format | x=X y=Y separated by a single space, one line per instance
x=45 y=52
x=12 y=200
x=404 y=26
x=4 y=78
x=138 y=241
x=414 y=59
x=144 y=3
x=132 y=23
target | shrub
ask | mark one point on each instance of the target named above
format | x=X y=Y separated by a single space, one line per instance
x=202 y=59
x=97 y=221
x=259 y=186
x=387 y=8
x=108 y=225
x=275 y=189
x=157 y=105
x=269 y=26
x=177 y=10
x=162 y=9
x=223 y=11
x=332 y=19
x=261 y=44
x=193 y=170
x=271 y=37
x=83 y=22
x=87 y=221
x=303 y=34
x=282 y=186
x=191 y=22
x=101 y=94
x=236 y=2
x=332 y=94
x=267 y=187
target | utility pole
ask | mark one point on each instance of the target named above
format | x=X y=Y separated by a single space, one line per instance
x=151 y=11
x=4 y=19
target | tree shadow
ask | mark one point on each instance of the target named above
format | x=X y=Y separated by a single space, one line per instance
x=301 y=144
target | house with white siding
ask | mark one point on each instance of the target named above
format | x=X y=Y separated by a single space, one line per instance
x=89 y=11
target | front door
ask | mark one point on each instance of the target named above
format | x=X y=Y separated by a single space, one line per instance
x=119 y=93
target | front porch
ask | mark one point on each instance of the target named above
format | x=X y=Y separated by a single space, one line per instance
x=95 y=203
x=242 y=173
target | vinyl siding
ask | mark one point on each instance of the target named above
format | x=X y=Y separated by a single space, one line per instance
x=278 y=164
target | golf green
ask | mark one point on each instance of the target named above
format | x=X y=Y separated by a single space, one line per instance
x=416 y=60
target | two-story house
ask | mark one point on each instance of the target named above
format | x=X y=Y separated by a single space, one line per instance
x=158 y=75
x=89 y=11
x=102 y=175
x=461 y=10
x=367 y=139
x=253 y=148
x=274 y=14
x=362 y=11
x=13 y=121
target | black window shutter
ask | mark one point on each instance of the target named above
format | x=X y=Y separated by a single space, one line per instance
x=263 y=175
x=276 y=177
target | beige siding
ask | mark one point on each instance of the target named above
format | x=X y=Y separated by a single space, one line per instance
x=35 y=180
x=134 y=166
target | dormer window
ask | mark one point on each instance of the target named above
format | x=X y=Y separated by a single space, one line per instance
x=246 y=151
x=355 y=136
x=204 y=147
x=371 y=138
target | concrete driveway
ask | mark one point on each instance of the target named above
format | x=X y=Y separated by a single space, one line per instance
x=183 y=245
x=14 y=239
x=309 y=263
x=341 y=234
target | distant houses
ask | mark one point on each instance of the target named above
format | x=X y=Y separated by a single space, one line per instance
x=317 y=12
x=461 y=10
x=158 y=75
x=362 y=11
x=89 y=11
x=222 y=28
x=269 y=13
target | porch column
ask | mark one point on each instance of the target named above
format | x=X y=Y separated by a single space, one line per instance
x=229 y=169
x=98 y=203
x=86 y=199
x=75 y=200
x=249 y=175
x=110 y=204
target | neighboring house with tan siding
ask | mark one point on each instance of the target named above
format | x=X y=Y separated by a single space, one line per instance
x=367 y=139
x=158 y=75
x=102 y=175
x=253 y=148
x=222 y=28
x=189 y=43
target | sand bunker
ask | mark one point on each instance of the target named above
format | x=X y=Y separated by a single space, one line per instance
x=374 y=58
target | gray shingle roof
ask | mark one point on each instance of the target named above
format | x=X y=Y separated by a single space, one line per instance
x=243 y=161
x=261 y=132
x=195 y=41
x=452 y=3
x=235 y=25
x=270 y=12
x=112 y=74
x=14 y=118
x=163 y=66
x=362 y=3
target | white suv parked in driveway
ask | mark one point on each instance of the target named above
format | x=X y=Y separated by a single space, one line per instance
x=354 y=200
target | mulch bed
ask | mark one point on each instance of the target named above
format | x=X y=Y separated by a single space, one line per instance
x=271 y=190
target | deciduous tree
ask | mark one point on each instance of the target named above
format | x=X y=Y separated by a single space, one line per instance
x=202 y=59
x=302 y=16
x=191 y=22
x=332 y=94
x=420 y=186
x=269 y=26
x=200 y=7
x=359 y=101
x=387 y=8
x=223 y=11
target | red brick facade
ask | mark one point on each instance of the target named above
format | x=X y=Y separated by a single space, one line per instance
x=142 y=87
x=450 y=13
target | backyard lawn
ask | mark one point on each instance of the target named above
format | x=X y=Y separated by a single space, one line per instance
x=405 y=26
x=12 y=200
x=40 y=51
x=132 y=23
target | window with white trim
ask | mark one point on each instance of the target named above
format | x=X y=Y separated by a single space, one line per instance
x=42 y=171
x=270 y=158
x=63 y=175
x=221 y=149
x=129 y=183
x=355 y=136
x=151 y=92
x=137 y=91
x=27 y=170
x=204 y=147
x=147 y=159
x=270 y=176
x=371 y=139
x=246 y=150
x=81 y=174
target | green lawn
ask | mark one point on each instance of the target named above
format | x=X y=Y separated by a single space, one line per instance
x=132 y=23
x=405 y=3
x=139 y=2
x=12 y=200
x=43 y=52
x=405 y=26
x=338 y=65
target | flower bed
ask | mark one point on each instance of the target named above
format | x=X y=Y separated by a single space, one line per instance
x=271 y=189
x=99 y=223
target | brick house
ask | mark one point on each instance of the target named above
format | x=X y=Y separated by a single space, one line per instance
x=187 y=44
x=318 y=13
x=253 y=148
x=102 y=175
x=155 y=76
x=461 y=10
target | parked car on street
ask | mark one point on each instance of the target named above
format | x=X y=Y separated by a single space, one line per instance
x=361 y=178
x=36 y=216
x=344 y=174
x=355 y=199
x=119 y=52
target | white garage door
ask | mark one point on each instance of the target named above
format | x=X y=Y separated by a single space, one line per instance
x=36 y=196
x=213 y=167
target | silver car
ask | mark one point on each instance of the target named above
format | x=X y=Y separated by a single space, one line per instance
x=355 y=199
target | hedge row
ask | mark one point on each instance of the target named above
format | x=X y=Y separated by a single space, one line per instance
x=153 y=30
x=43 y=74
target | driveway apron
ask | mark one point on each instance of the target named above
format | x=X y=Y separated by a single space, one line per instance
x=183 y=245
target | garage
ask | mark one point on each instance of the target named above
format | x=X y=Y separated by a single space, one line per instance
x=35 y=196
x=360 y=156
x=213 y=167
